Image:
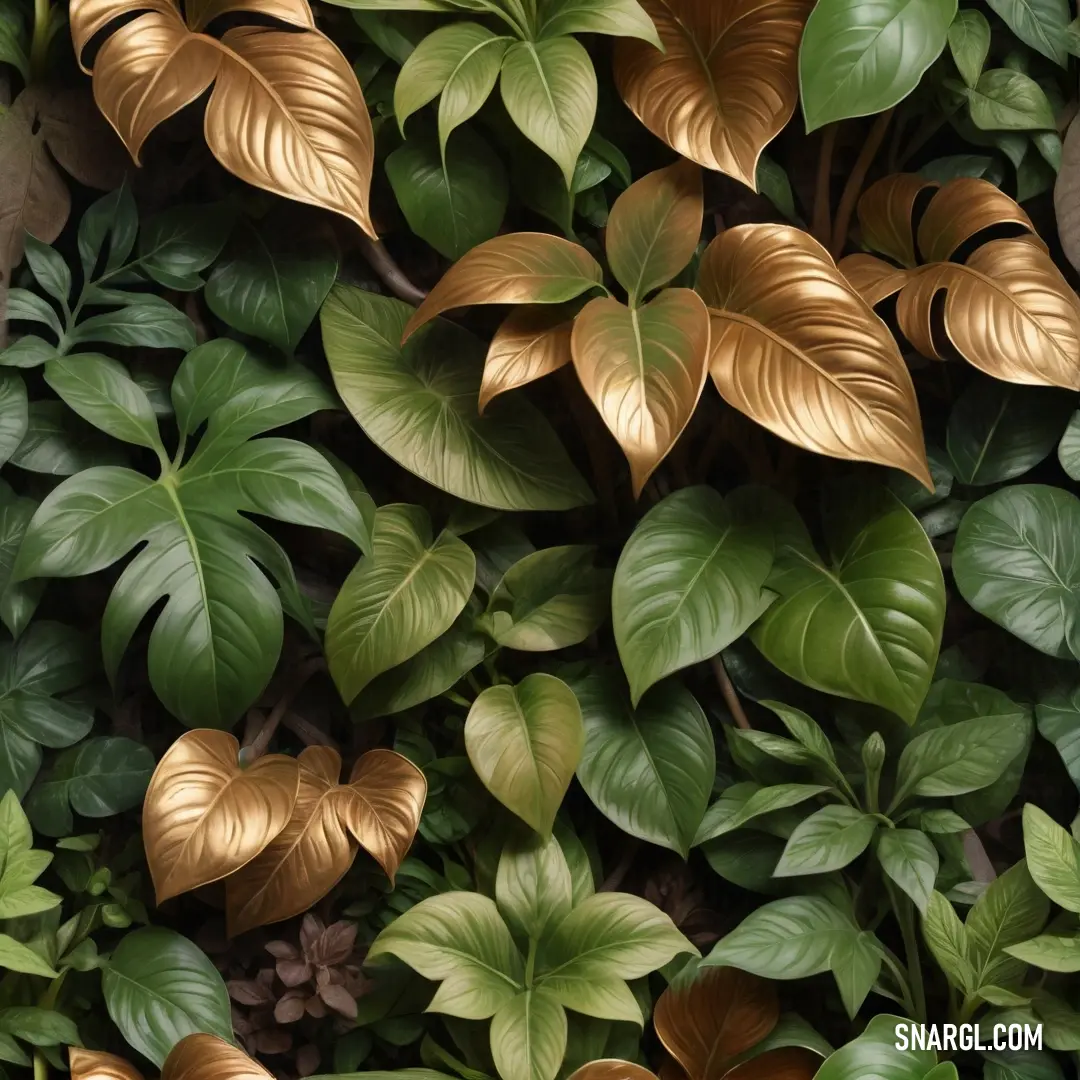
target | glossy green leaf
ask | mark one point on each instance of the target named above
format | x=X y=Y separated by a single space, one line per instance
x=159 y=987
x=620 y=18
x=828 y=839
x=742 y=803
x=1058 y=717
x=1042 y=24
x=1010 y=910
x=911 y=860
x=417 y=403
x=18 y=600
x=859 y=58
x=689 y=582
x=649 y=770
x=1007 y=100
x=874 y=1054
x=59 y=443
x=533 y=887
x=969 y=43
x=49 y=269
x=175 y=245
x=856 y=965
x=947 y=940
x=1053 y=858
x=141 y=319
x=1069 y=447
x=15 y=956
x=1051 y=952
x=528 y=1036
x=14 y=415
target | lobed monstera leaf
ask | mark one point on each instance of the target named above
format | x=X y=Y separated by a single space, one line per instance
x=215 y=643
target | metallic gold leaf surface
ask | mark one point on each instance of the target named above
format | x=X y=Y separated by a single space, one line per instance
x=204 y=817
x=305 y=860
x=383 y=812
x=644 y=370
x=612 y=1069
x=519 y=268
x=706 y=1023
x=206 y=1057
x=95 y=1065
x=90 y=17
x=726 y=83
x=532 y=342
x=886 y=212
x=148 y=70
x=1008 y=312
x=785 y=1063
x=287 y=115
x=796 y=349
x=653 y=229
x=872 y=278
x=295 y=12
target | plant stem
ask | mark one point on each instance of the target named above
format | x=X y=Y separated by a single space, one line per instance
x=530 y=963
x=821 y=222
x=39 y=48
x=853 y=187
x=904 y=910
x=41 y=1066
x=901 y=982
x=259 y=744
x=390 y=274
x=731 y=698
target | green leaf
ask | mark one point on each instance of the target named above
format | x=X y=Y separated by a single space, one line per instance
x=947 y=940
x=1058 y=718
x=549 y=89
x=59 y=443
x=25 y=306
x=39 y=1026
x=550 y=599
x=143 y=320
x=455 y=200
x=175 y=245
x=1051 y=952
x=1017 y=561
x=856 y=965
x=649 y=770
x=397 y=600
x=533 y=888
x=528 y=1036
x=116 y=217
x=807 y=732
x=859 y=58
x=14 y=44
x=874 y=1056
x=159 y=987
x=742 y=803
x=969 y=43
x=49 y=269
x=101 y=391
x=98 y=778
x=1006 y=100
x=883 y=595
x=1053 y=858
x=911 y=861
x=689 y=582
x=460 y=939
x=270 y=286
x=827 y=840
x=1010 y=910
x=1042 y=24
x=1069 y=447
x=620 y=18
x=417 y=403
x=998 y=431
x=14 y=415
x=15 y=956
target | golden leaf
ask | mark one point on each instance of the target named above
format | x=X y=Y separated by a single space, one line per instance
x=95 y=1065
x=611 y=1069
x=1008 y=312
x=886 y=210
x=204 y=817
x=305 y=860
x=726 y=83
x=708 y=1022
x=206 y=1057
x=519 y=268
x=532 y=342
x=644 y=370
x=653 y=229
x=784 y=1063
x=388 y=793
x=872 y=278
x=295 y=12
x=796 y=349
x=89 y=17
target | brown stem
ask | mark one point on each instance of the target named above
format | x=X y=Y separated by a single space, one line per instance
x=258 y=746
x=853 y=187
x=821 y=222
x=390 y=274
x=622 y=868
x=731 y=698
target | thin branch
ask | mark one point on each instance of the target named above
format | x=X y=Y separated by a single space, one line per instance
x=612 y=882
x=853 y=187
x=390 y=274
x=731 y=698
x=258 y=746
x=821 y=222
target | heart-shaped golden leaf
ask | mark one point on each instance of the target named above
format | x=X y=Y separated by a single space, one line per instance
x=612 y=1069
x=726 y=82
x=206 y=1057
x=796 y=349
x=531 y=342
x=644 y=369
x=205 y=817
x=95 y=1065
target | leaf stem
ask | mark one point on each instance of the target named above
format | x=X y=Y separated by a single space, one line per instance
x=901 y=980
x=904 y=910
x=821 y=222
x=731 y=698
x=259 y=744
x=389 y=273
x=39 y=49
x=854 y=186
x=41 y=1066
x=530 y=963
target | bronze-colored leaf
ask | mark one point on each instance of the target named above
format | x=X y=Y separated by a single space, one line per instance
x=653 y=229
x=84 y=145
x=711 y=1020
x=204 y=817
x=872 y=278
x=796 y=349
x=784 y=1063
x=611 y=1069
x=305 y=860
x=1008 y=312
x=288 y=116
x=886 y=212
x=644 y=370
x=388 y=793
x=206 y=1057
x=726 y=83
x=295 y=12
x=518 y=268
x=148 y=70
x=962 y=208
x=532 y=342
x=89 y=17
x=95 y=1065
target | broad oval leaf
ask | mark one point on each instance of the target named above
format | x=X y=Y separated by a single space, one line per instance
x=205 y=817
x=883 y=595
x=911 y=860
x=95 y=1065
x=689 y=582
x=206 y=1057
x=875 y=1053
x=1007 y=100
x=969 y=43
x=159 y=987
x=796 y=349
x=726 y=82
x=528 y=1036
x=827 y=840
x=644 y=370
x=612 y=1069
x=1053 y=858
x=533 y=885
x=417 y=403
x=858 y=58
x=525 y=742
x=650 y=770
x=1042 y=24
x=531 y=342
x=398 y=599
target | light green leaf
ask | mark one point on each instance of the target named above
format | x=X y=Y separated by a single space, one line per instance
x=1042 y=24
x=528 y=1036
x=1051 y=952
x=533 y=888
x=911 y=861
x=1053 y=858
x=947 y=941
x=39 y=1026
x=744 y=802
x=620 y=18
x=827 y=840
x=856 y=964
x=1006 y=100
x=969 y=43
x=874 y=1056
x=15 y=956
x=1010 y=910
